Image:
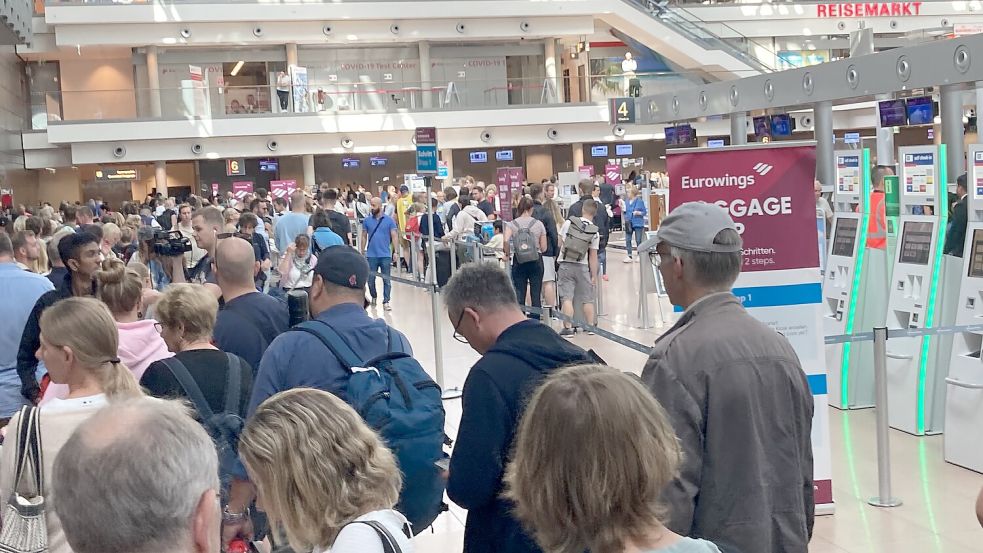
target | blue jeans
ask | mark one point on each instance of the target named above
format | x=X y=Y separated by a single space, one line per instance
x=638 y=233
x=383 y=264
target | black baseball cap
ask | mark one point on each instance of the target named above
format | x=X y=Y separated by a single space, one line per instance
x=342 y=266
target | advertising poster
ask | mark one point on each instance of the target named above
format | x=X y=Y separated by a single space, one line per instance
x=977 y=187
x=848 y=174
x=241 y=188
x=612 y=174
x=586 y=170
x=6 y=197
x=509 y=194
x=214 y=189
x=199 y=91
x=282 y=188
x=918 y=174
x=298 y=77
x=768 y=191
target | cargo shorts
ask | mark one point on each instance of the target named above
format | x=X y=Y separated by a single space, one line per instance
x=573 y=282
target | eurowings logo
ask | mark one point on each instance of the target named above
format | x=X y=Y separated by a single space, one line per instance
x=763 y=169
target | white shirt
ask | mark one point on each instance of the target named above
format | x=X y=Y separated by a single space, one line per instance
x=362 y=538
x=55 y=405
x=595 y=243
x=629 y=66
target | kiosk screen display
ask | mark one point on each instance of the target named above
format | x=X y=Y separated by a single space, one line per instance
x=976 y=255
x=916 y=243
x=845 y=236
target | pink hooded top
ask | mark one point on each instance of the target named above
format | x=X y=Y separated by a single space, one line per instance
x=139 y=345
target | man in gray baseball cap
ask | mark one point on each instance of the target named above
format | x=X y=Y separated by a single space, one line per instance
x=736 y=394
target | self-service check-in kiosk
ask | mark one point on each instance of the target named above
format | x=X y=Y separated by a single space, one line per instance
x=915 y=299
x=853 y=284
x=964 y=397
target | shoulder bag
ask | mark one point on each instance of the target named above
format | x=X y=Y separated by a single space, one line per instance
x=25 y=529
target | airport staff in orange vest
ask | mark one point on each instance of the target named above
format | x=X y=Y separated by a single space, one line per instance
x=877 y=223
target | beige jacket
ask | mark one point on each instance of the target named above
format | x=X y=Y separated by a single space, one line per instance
x=56 y=428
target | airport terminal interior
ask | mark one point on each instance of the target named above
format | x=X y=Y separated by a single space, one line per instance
x=869 y=109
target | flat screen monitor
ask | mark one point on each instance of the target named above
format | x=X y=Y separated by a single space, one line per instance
x=504 y=155
x=916 y=243
x=378 y=161
x=976 y=255
x=269 y=165
x=781 y=125
x=762 y=126
x=670 y=136
x=920 y=111
x=892 y=113
x=479 y=157
x=622 y=150
x=599 y=151
x=350 y=163
x=685 y=135
x=845 y=236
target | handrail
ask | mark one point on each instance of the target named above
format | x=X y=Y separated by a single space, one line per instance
x=670 y=16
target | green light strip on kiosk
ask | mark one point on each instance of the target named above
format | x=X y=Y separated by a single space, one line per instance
x=941 y=191
x=857 y=280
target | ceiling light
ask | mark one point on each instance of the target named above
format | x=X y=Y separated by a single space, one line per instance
x=235 y=70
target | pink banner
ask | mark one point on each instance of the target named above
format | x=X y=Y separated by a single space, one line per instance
x=612 y=174
x=214 y=189
x=282 y=188
x=241 y=188
x=769 y=193
x=516 y=179
x=586 y=170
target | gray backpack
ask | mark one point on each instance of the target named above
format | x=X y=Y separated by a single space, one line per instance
x=526 y=245
x=578 y=240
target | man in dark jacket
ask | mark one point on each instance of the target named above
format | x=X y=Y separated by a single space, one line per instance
x=586 y=188
x=81 y=255
x=517 y=353
x=955 y=237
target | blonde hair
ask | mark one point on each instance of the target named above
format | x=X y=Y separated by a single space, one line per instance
x=190 y=306
x=110 y=231
x=313 y=492
x=85 y=326
x=120 y=287
x=593 y=453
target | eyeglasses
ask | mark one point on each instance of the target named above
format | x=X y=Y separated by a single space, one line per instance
x=223 y=235
x=457 y=335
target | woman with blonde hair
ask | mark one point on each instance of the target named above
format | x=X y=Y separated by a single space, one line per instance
x=78 y=346
x=325 y=497
x=603 y=498
x=121 y=289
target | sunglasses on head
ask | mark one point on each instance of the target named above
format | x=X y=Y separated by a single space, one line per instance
x=242 y=235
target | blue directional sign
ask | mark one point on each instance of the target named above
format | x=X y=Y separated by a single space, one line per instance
x=426 y=159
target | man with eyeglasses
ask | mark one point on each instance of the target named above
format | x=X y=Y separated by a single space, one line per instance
x=736 y=394
x=517 y=353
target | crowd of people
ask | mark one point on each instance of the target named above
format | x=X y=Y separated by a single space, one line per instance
x=326 y=435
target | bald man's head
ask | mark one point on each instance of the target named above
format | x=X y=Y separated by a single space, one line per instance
x=235 y=263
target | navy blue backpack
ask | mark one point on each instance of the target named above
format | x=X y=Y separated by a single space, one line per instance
x=398 y=399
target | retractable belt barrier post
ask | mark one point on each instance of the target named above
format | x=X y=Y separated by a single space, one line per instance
x=884 y=498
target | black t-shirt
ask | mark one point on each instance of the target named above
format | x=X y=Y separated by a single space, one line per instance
x=341 y=226
x=248 y=324
x=210 y=369
x=165 y=219
x=486 y=207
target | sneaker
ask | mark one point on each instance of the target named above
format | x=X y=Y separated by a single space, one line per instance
x=626 y=260
x=373 y=302
x=567 y=332
x=387 y=307
x=590 y=333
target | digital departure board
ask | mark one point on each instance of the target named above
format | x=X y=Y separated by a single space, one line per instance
x=976 y=255
x=845 y=236
x=916 y=243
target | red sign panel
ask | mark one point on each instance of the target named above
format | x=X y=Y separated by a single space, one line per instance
x=282 y=188
x=426 y=135
x=869 y=9
x=768 y=192
x=241 y=188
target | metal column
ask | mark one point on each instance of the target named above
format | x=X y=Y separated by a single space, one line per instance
x=153 y=81
x=738 y=129
x=825 y=161
x=309 y=179
x=884 y=497
x=425 y=83
x=951 y=111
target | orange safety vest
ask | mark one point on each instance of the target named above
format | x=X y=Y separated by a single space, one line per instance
x=877 y=223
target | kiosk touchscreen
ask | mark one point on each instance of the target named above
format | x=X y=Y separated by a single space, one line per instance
x=915 y=297
x=964 y=384
x=853 y=284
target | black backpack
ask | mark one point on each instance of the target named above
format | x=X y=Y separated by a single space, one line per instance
x=224 y=427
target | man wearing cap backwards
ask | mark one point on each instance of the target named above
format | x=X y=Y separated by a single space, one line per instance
x=736 y=394
x=337 y=299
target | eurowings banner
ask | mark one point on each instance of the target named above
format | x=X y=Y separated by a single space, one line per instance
x=769 y=193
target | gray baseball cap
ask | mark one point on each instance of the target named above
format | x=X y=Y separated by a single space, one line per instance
x=693 y=226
